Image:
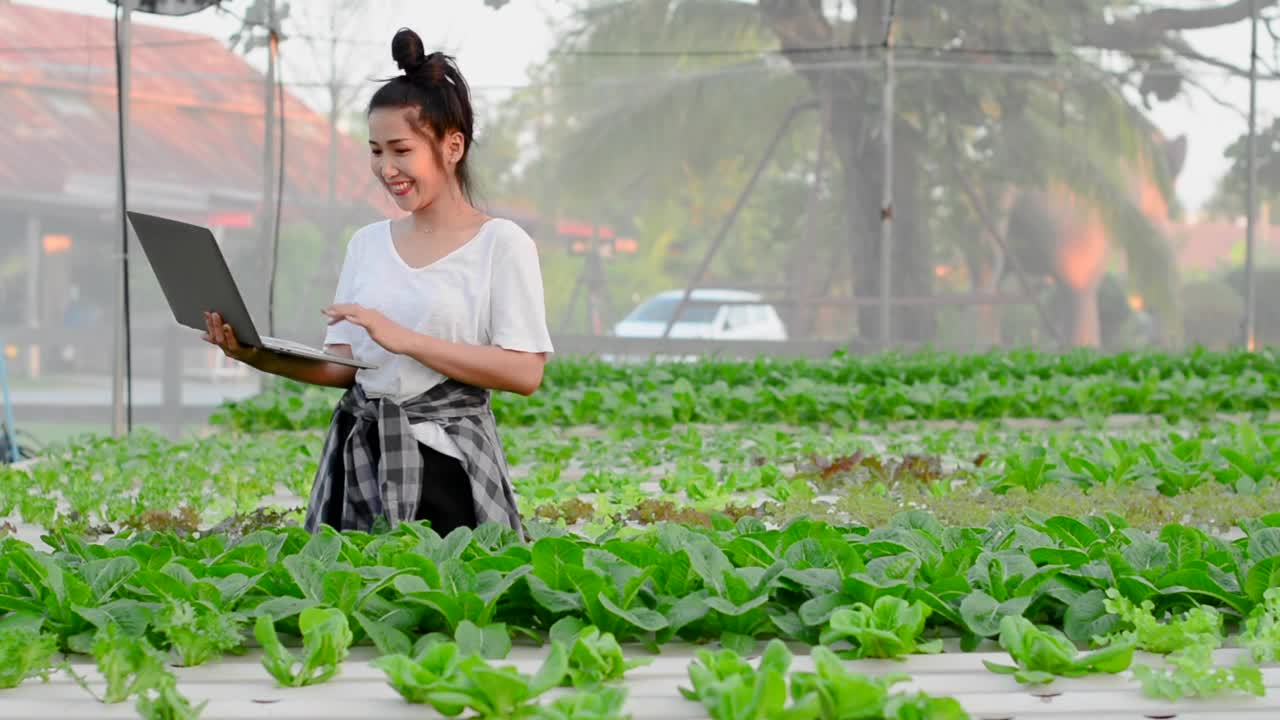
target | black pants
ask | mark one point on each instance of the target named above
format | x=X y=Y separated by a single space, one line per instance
x=446 y=493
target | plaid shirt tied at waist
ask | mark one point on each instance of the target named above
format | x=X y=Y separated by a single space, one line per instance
x=386 y=481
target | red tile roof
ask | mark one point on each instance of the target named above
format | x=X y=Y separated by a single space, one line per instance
x=196 y=120
x=1212 y=245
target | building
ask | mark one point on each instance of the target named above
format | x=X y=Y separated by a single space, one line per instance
x=1211 y=246
x=195 y=153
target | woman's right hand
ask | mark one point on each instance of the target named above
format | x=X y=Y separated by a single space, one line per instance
x=219 y=333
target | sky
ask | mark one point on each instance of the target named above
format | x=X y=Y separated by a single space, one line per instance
x=1209 y=126
x=494 y=49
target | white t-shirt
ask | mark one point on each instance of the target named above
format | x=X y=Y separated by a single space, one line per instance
x=486 y=292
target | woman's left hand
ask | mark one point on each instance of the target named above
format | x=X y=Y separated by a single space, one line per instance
x=387 y=333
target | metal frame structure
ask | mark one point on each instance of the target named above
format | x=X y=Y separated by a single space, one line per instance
x=122 y=407
x=885 y=300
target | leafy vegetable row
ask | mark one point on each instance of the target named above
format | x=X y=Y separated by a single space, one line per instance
x=145 y=481
x=731 y=689
x=736 y=582
x=803 y=393
x=917 y=366
x=455 y=675
x=451 y=676
x=142 y=480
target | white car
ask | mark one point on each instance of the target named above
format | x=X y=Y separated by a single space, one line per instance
x=709 y=314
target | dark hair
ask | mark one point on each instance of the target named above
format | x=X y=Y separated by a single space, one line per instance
x=434 y=85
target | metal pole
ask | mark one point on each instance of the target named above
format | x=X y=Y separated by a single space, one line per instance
x=33 y=271
x=268 y=161
x=578 y=283
x=994 y=232
x=593 y=283
x=886 y=197
x=11 y=439
x=119 y=421
x=729 y=219
x=1251 y=196
x=802 y=256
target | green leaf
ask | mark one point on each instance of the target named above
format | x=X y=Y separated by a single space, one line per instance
x=687 y=610
x=326 y=638
x=308 y=573
x=129 y=664
x=420 y=681
x=1201 y=587
x=388 y=639
x=24 y=652
x=983 y=615
x=1191 y=672
x=1264 y=543
x=1071 y=532
x=892 y=627
x=452 y=546
x=641 y=618
x=553 y=601
x=1058 y=556
x=730 y=609
x=1088 y=617
x=1185 y=545
x=553 y=558
x=279 y=608
x=1112 y=659
x=163 y=584
x=492 y=585
x=1147 y=557
x=1262 y=576
x=198 y=631
x=552 y=672
x=491 y=642
x=342 y=589
x=132 y=616
x=750 y=551
x=1042 y=653
x=108 y=575
x=566 y=630
x=709 y=562
x=323 y=547
x=277 y=660
x=735 y=642
x=596 y=704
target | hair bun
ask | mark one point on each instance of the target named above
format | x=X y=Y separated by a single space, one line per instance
x=435 y=68
x=408 y=52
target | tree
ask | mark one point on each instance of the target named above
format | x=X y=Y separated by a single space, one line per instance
x=1229 y=199
x=981 y=130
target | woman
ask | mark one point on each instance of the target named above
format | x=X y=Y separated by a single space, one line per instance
x=446 y=302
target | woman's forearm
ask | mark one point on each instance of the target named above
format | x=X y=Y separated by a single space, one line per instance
x=314 y=372
x=484 y=366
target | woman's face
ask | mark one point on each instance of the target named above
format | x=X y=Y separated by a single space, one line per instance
x=404 y=161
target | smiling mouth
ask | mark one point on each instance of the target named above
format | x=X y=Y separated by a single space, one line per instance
x=400 y=188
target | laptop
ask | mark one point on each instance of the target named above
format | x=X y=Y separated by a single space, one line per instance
x=195 y=279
